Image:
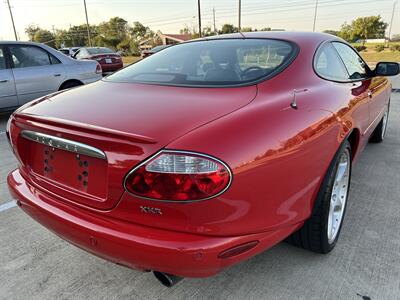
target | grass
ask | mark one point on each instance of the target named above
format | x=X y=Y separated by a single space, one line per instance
x=130 y=59
x=373 y=57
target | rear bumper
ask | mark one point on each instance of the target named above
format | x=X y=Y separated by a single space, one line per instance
x=133 y=245
x=111 y=67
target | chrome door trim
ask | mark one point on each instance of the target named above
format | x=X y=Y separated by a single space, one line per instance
x=63 y=144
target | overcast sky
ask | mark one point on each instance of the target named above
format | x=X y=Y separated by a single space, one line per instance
x=171 y=15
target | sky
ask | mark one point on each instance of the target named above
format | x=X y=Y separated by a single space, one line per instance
x=170 y=16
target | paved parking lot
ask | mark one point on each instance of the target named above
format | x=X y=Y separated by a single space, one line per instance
x=35 y=264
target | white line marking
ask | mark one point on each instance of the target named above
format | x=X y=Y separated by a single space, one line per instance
x=7 y=205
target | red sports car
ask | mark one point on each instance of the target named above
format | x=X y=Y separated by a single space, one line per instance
x=107 y=58
x=204 y=154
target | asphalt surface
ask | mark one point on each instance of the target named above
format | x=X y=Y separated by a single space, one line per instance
x=36 y=264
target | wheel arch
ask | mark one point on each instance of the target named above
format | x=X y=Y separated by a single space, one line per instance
x=354 y=139
x=70 y=81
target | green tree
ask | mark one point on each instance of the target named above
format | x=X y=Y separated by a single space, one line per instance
x=31 y=31
x=265 y=29
x=346 y=32
x=332 y=32
x=246 y=29
x=46 y=37
x=228 y=28
x=139 y=31
x=371 y=27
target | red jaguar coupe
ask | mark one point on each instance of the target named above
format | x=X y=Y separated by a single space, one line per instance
x=204 y=154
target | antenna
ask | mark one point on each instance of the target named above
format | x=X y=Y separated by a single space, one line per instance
x=243 y=36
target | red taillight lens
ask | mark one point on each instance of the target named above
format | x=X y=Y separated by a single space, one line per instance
x=179 y=176
x=99 y=70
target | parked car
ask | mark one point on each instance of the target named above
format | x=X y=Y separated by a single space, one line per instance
x=69 y=51
x=146 y=53
x=107 y=58
x=31 y=70
x=204 y=154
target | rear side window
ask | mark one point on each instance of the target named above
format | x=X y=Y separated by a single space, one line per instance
x=218 y=62
x=2 y=60
x=31 y=56
x=328 y=64
x=356 y=67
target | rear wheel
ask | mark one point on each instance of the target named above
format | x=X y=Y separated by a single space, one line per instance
x=321 y=231
x=380 y=131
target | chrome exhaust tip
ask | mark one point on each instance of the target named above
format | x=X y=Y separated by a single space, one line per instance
x=166 y=279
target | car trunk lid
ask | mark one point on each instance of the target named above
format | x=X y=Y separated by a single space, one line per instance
x=126 y=122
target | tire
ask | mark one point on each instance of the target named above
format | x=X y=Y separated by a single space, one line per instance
x=314 y=234
x=69 y=85
x=380 y=131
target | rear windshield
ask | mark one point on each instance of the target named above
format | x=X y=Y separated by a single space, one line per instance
x=65 y=51
x=99 y=50
x=210 y=63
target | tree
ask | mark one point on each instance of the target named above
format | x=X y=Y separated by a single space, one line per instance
x=246 y=29
x=46 y=37
x=332 y=32
x=139 y=31
x=207 y=31
x=345 y=32
x=31 y=31
x=368 y=28
x=395 y=38
x=228 y=28
x=265 y=29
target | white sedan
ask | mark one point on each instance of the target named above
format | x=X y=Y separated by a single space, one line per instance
x=31 y=70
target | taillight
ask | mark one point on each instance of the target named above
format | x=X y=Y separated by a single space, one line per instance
x=173 y=175
x=99 y=70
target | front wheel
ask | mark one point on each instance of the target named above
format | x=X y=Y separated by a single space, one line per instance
x=380 y=131
x=321 y=231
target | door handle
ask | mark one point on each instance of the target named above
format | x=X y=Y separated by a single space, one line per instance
x=57 y=75
x=4 y=81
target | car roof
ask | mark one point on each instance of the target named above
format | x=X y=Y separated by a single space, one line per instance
x=295 y=36
x=19 y=43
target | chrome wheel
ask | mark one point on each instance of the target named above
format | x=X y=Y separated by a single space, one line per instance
x=384 y=122
x=339 y=195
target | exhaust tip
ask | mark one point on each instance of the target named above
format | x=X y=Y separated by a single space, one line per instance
x=166 y=279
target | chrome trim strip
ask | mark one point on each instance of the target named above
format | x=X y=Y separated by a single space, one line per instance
x=180 y=152
x=63 y=144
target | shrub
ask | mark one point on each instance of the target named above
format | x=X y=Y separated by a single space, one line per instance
x=360 y=48
x=379 y=47
x=395 y=47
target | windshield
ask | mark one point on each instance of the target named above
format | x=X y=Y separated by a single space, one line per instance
x=210 y=63
x=99 y=50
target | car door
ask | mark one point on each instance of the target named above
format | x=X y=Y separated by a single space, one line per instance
x=36 y=72
x=360 y=74
x=8 y=94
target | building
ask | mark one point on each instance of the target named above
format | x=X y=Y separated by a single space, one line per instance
x=163 y=39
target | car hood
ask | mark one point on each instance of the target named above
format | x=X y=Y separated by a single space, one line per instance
x=154 y=113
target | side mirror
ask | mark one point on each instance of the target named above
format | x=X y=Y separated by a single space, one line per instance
x=387 y=69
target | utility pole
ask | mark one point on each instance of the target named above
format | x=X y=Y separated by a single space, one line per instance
x=199 y=13
x=391 y=20
x=12 y=20
x=315 y=14
x=215 y=28
x=240 y=15
x=54 y=31
x=87 y=24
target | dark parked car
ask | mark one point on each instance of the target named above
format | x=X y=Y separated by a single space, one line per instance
x=107 y=58
x=147 y=53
